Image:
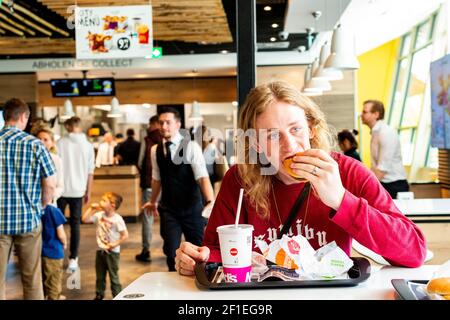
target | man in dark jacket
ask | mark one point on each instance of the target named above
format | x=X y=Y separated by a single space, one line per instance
x=145 y=164
x=128 y=151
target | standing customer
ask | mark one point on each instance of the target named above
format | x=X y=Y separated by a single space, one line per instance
x=27 y=184
x=128 y=151
x=48 y=139
x=179 y=171
x=385 y=149
x=77 y=155
x=105 y=153
x=153 y=137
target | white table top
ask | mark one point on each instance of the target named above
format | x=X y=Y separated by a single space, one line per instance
x=424 y=207
x=172 y=286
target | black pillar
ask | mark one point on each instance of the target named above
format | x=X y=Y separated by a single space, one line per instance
x=245 y=47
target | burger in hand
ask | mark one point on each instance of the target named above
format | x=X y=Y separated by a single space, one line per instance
x=287 y=165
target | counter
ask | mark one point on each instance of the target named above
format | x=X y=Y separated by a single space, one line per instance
x=123 y=180
x=425 y=210
x=172 y=286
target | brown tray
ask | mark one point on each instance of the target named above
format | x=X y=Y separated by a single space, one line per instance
x=205 y=272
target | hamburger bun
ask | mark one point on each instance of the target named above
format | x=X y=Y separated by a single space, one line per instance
x=440 y=286
x=287 y=165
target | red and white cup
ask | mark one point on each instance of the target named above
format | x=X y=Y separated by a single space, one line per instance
x=236 y=251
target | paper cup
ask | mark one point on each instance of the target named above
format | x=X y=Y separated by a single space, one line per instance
x=236 y=252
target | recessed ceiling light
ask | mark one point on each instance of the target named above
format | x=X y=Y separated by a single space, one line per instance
x=274 y=25
x=273 y=39
x=224 y=51
x=234 y=103
x=267 y=8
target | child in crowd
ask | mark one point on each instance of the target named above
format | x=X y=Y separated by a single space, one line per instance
x=54 y=241
x=111 y=232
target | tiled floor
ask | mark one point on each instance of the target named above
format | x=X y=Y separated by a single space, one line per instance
x=130 y=269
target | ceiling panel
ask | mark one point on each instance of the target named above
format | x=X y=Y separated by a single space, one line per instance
x=38 y=28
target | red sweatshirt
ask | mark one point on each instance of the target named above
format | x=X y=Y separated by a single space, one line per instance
x=367 y=214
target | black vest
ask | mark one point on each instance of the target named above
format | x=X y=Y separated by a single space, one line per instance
x=178 y=185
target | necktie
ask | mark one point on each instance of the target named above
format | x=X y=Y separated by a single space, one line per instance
x=168 y=155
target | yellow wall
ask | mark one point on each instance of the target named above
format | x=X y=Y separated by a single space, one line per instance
x=374 y=81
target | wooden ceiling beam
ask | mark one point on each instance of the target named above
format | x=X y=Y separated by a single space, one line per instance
x=27 y=22
x=40 y=20
x=17 y=25
x=12 y=29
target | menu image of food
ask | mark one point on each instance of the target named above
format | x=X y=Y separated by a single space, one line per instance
x=115 y=23
x=113 y=32
x=97 y=42
x=143 y=33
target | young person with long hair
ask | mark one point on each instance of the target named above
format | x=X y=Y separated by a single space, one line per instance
x=345 y=202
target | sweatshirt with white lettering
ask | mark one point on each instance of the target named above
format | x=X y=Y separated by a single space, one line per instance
x=367 y=214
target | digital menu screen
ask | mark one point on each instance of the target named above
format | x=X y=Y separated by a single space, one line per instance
x=66 y=87
x=99 y=87
x=83 y=87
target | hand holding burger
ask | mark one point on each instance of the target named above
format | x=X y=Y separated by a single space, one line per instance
x=319 y=168
x=287 y=165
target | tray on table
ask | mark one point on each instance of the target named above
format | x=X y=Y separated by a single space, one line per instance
x=205 y=273
x=410 y=289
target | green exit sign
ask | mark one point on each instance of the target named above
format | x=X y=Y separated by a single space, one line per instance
x=157 y=52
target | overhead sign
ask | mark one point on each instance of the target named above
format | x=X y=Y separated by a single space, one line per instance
x=113 y=32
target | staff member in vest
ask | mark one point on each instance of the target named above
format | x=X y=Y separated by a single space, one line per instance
x=179 y=172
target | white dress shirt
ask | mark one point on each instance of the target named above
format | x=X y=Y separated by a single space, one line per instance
x=386 y=154
x=105 y=154
x=193 y=154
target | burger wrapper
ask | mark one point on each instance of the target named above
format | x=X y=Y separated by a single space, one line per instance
x=329 y=262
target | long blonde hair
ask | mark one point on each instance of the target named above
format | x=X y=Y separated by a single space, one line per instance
x=258 y=186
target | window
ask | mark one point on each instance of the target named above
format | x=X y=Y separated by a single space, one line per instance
x=410 y=97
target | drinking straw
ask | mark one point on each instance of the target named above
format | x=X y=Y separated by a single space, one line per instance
x=238 y=213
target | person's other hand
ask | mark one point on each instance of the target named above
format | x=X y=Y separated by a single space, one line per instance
x=87 y=197
x=151 y=208
x=110 y=246
x=323 y=172
x=187 y=255
x=207 y=210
